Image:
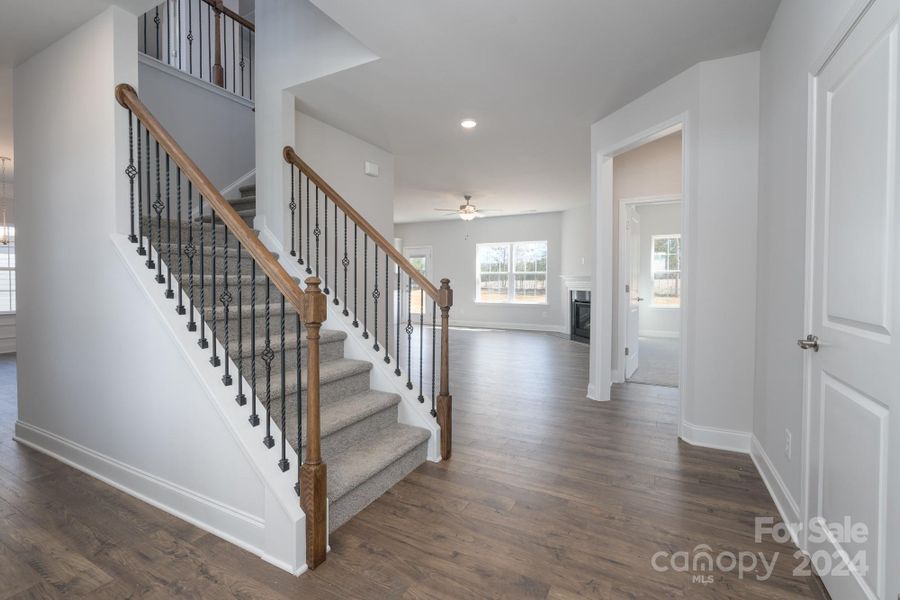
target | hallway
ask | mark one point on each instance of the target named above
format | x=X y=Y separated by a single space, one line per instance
x=548 y=495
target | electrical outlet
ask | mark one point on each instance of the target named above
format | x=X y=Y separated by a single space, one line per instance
x=787 y=443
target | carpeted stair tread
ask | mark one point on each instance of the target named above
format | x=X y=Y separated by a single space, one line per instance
x=329 y=372
x=248 y=190
x=358 y=463
x=336 y=416
x=244 y=212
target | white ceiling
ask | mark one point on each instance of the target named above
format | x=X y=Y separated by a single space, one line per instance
x=29 y=26
x=534 y=73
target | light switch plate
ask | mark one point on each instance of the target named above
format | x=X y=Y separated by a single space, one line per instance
x=371 y=169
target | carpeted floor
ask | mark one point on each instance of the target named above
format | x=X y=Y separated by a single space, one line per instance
x=658 y=362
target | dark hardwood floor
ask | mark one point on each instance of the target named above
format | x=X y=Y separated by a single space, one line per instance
x=548 y=496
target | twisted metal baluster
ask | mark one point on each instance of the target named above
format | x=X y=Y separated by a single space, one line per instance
x=325 y=290
x=346 y=262
x=225 y=298
x=156 y=20
x=399 y=298
x=335 y=299
x=169 y=293
x=149 y=262
x=140 y=185
x=292 y=206
x=355 y=277
x=158 y=207
x=299 y=409
x=214 y=359
x=317 y=231
x=421 y=333
x=433 y=354
x=190 y=39
x=241 y=31
x=131 y=172
x=376 y=294
x=308 y=253
x=283 y=464
x=268 y=355
x=254 y=418
x=365 y=333
x=190 y=251
x=409 y=331
x=241 y=399
x=300 y=216
x=180 y=224
x=387 y=308
x=202 y=342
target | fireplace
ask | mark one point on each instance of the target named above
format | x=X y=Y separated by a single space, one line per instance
x=580 y=316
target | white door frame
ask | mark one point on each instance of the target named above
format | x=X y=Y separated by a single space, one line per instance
x=618 y=375
x=850 y=21
x=427 y=251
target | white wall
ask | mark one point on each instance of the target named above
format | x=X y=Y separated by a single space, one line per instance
x=576 y=242
x=102 y=382
x=7 y=322
x=656 y=219
x=799 y=34
x=718 y=100
x=453 y=249
x=215 y=128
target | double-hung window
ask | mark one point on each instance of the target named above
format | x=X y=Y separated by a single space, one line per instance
x=511 y=272
x=665 y=267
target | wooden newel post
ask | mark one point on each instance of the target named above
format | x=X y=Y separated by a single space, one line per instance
x=218 y=72
x=313 y=474
x=444 y=399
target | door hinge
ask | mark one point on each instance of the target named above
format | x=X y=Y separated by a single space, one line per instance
x=626 y=351
x=627 y=288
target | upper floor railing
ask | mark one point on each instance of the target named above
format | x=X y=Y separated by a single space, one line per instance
x=203 y=38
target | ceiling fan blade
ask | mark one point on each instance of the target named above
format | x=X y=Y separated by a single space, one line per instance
x=452 y=210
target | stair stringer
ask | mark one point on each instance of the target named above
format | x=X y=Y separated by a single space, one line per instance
x=281 y=539
x=382 y=377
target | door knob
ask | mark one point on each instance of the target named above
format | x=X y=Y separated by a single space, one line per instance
x=639 y=299
x=811 y=341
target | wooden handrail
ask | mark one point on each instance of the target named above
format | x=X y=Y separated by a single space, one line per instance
x=220 y=7
x=291 y=157
x=128 y=98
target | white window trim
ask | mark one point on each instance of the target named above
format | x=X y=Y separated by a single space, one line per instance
x=511 y=273
x=653 y=239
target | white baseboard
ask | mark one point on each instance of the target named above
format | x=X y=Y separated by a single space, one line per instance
x=715 y=437
x=218 y=518
x=510 y=326
x=659 y=333
x=787 y=507
x=617 y=376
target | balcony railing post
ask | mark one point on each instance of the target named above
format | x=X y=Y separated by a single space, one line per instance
x=218 y=71
x=313 y=474
x=444 y=399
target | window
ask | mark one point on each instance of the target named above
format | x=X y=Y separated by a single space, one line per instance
x=420 y=258
x=665 y=268
x=513 y=272
x=8 y=274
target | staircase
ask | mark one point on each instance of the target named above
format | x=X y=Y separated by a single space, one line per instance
x=264 y=330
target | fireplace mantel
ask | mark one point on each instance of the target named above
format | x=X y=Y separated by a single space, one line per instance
x=577 y=283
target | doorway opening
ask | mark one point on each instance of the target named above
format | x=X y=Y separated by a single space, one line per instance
x=647 y=257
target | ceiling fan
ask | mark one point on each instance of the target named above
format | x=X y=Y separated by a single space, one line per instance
x=467 y=211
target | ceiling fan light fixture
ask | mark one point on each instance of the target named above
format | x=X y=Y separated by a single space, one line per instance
x=468 y=123
x=467 y=216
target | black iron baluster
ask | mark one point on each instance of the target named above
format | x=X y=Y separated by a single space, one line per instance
x=409 y=331
x=145 y=33
x=180 y=224
x=346 y=263
x=317 y=231
x=225 y=298
x=140 y=185
x=168 y=33
x=299 y=409
x=202 y=342
x=149 y=262
x=268 y=355
x=157 y=21
x=209 y=37
x=241 y=399
x=375 y=295
x=325 y=290
x=300 y=214
x=169 y=293
x=292 y=206
x=283 y=464
x=421 y=333
x=365 y=333
x=387 y=307
x=250 y=36
x=241 y=32
x=233 y=62
x=190 y=251
x=355 y=277
x=399 y=298
x=213 y=322
x=200 y=33
x=158 y=207
x=254 y=418
x=433 y=354
x=335 y=280
x=131 y=172
x=308 y=254
x=190 y=39
x=180 y=47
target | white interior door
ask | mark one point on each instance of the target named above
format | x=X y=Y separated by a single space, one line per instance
x=854 y=377
x=632 y=296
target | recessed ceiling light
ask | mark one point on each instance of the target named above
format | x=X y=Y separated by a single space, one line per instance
x=468 y=124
